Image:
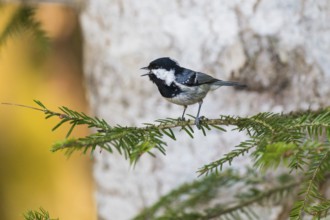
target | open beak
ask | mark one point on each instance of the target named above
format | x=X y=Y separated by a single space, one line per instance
x=146 y=68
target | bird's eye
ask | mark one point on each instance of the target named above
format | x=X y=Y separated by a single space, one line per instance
x=156 y=67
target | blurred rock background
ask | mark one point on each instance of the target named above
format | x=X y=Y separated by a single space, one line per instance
x=279 y=48
x=30 y=175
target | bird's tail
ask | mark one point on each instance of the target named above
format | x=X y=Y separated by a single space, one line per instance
x=229 y=83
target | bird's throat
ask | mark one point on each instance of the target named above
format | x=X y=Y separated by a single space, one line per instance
x=167 y=91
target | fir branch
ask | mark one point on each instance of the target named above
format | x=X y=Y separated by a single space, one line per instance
x=23 y=21
x=268 y=132
x=320 y=210
x=319 y=164
x=67 y=116
x=40 y=214
x=170 y=123
x=74 y=118
x=280 y=133
x=189 y=201
x=290 y=139
x=298 y=156
x=132 y=142
x=216 y=212
x=216 y=166
x=189 y=195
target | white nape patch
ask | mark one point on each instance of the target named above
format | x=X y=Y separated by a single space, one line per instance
x=166 y=75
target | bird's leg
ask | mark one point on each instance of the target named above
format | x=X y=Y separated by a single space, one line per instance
x=184 y=111
x=197 y=117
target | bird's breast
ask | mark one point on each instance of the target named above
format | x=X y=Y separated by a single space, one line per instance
x=189 y=94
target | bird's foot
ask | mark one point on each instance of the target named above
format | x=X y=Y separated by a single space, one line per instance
x=198 y=121
x=181 y=118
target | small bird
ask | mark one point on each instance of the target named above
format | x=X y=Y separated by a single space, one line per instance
x=183 y=86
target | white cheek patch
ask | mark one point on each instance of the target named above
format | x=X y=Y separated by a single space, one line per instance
x=166 y=75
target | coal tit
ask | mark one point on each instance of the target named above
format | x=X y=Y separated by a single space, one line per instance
x=183 y=86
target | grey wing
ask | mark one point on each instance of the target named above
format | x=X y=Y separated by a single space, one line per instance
x=202 y=78
x=192 y=78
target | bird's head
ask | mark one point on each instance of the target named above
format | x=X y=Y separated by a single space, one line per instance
x=165 y=63
x=162 y=69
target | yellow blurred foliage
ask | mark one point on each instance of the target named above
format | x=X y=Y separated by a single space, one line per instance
x=30 y=175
